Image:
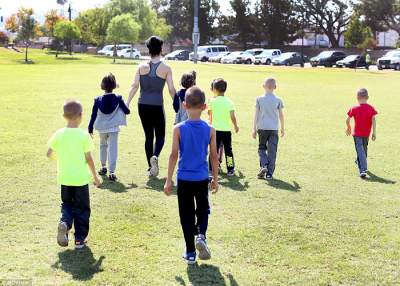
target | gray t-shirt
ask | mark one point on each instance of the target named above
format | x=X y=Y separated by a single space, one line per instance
x=268 y=106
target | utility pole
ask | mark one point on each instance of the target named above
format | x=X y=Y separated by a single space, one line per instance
x=196 y=33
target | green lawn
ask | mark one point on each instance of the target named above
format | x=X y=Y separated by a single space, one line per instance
x=316 y=224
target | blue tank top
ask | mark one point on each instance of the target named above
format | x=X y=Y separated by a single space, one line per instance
x=193 y=150
x=151 y=87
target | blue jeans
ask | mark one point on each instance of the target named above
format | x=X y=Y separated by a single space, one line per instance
x=75 y=209
x=267 y=149
x=361 y=144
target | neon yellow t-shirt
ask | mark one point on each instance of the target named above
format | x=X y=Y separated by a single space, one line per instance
x=70 y=146
x=221 y=108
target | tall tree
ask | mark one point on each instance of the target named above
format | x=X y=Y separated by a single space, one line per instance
x=66 y=32
x=242 y=21
x=51 y=19
x=93 y=24
x=279 y=21
x=380 y=14
x=122 y=28
x=357 y=33
x=330 y=16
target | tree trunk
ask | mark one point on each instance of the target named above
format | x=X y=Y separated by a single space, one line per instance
x=334 y=41
x=26 y=53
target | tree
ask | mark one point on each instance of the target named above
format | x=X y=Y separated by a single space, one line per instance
x=122 y=28
x=3 y=38
x=66 y=31
x=11 y=24
x=242 y=21
x=357 y=33
x=93 y=24
x=51 y=19
x=380 y=14
x=278 y=20
x=330 y=16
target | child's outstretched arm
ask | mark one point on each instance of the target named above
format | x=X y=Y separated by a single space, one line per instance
x=214 y=160
x=234 y=121
x=255 y=123
x=348 y=129
x=173 y=158
x=373 y=128
x=135 y=87
x=90 y=162
x=51 y=154
x=282 y=120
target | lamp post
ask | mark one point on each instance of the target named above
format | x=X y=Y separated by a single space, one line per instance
x=196 y=33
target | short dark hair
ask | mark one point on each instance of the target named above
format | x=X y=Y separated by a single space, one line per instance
x=154 y=44
x=362 y=92
x=188 y=79
x=109 y=83
x=220 y=84
x=195 y=97
x=72 y=109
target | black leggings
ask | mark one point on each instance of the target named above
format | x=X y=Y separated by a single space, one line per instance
x=153 y=122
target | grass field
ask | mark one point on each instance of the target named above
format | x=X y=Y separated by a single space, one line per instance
x=316 y=224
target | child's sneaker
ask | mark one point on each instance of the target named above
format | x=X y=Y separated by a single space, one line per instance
x=112 y=177
x=154 y=170
x=202 y=248
x=269 y=177
x=62 y=235
x=363 y=175
x=190 y=257
x=103 y=171
x=80 y=244
x=263 y=173
x=230 y=173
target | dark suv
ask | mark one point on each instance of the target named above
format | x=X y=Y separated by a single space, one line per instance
x=327 y=58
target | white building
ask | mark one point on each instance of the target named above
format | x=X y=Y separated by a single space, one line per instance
x=387 y=39
x=312 y=40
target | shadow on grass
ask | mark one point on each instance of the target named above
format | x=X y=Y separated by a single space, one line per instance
x=126 y=63
x=205 y=274
x=81 y=263
x=156 y=184
x=235 y=183
x=68 y=58
x=116 y=187
x=282 y=185
x=376 y=179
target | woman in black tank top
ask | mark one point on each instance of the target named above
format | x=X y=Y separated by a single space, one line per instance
x=151 y=103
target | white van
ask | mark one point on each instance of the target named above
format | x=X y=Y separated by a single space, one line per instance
x=110 y=51
x=105 y=50
x=267 y=56
x=206 y=52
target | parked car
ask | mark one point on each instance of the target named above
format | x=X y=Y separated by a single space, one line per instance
x=266 y=57
x=178 y=55
x=245 y=58
x=327 y=58
x=206 y=52
x=231 y=58
x=120 y=47
x=217 y=59
x=255 y=52
x=289 y=59
x=352 y=61
x=129 y=53
x=105 y=49
x=391 y=60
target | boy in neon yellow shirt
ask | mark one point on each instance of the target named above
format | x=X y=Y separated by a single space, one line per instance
x=222 y=115
x=71 y=147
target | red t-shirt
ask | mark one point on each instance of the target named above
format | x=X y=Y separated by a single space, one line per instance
x=363 y=115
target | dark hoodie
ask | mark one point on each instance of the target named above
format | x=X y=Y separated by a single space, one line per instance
x=107 y=103
x=179 y=95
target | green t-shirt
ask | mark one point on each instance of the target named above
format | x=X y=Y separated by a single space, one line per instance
x=70 y=146
x=221 y=108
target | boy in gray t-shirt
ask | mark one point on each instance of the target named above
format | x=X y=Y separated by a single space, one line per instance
x=266 y=123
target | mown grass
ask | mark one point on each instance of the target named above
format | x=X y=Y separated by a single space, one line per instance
x=317 y=224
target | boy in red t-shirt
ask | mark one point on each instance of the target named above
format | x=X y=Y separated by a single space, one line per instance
x=364 y=119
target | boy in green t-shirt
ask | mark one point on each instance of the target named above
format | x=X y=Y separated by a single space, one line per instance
x=222 y=115
x=71 y=147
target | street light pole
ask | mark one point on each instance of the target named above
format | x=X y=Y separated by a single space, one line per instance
x=196 y=34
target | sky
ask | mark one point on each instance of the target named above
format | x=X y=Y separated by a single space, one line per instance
x=9 y=7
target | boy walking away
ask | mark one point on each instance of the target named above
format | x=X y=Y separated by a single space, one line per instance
x=187 y=81
x=72 y=147
x=108 y=114
x=222 y=115
x=364 y=118
x=266 y=124
x=191 y=141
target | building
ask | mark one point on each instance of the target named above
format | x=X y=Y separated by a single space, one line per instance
x=388 y=39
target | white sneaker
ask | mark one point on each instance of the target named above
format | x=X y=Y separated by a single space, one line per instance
x=154 y=170
x=62 y=235
x=202 y=248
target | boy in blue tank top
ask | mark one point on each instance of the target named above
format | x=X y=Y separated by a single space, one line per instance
x=191 y=142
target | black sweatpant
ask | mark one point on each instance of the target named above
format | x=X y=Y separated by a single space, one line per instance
x=75 y=209
x=153 y=122
x=193 y=203
x=224 y=138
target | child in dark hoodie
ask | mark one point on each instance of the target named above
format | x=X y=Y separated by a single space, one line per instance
x=187 y=81
x=108 y=113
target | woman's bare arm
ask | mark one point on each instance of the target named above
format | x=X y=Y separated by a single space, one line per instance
x=135 y=87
